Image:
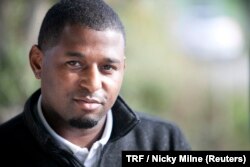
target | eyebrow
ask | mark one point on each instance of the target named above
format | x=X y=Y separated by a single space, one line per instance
x=112 y=60
x=80 y=55
x=75 y=54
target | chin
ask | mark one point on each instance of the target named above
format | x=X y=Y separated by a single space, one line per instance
x=83 y=123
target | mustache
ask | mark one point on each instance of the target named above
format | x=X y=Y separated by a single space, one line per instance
x=96 y=96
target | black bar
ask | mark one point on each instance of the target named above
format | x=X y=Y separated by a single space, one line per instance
x=185 y=158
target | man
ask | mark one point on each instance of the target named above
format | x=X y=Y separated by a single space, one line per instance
x=77 y=117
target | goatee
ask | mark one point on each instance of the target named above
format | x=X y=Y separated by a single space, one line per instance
x=83 y=123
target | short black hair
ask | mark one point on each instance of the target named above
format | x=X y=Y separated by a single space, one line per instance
x=94 y=14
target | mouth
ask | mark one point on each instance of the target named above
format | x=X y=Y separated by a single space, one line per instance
x=88 y=104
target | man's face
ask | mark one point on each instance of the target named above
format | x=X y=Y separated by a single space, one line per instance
x=81 y=76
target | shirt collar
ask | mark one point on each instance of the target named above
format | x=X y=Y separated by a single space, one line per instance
x=102 y=141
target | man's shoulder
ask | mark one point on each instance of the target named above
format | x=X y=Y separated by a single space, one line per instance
x=156 y=121
x=163 y=133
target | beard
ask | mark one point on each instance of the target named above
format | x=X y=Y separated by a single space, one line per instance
x=51 y=116
x=83 y=123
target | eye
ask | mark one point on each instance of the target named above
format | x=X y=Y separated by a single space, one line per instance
x=74 y=64
x=108 y=68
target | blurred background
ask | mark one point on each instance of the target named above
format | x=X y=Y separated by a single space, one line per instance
x=187 y=62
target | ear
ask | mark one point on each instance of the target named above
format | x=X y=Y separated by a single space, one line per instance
x=36 y=58
x=125 y=64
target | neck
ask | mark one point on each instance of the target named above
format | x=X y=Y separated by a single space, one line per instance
x=82 y=137
x=79 y=136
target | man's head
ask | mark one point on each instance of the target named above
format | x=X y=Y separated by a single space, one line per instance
x=94 y=14
x=80 y=61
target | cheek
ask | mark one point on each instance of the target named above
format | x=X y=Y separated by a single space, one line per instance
x=57 y=79
x=113 y=85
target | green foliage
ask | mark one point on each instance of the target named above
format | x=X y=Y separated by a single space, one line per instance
x=160 y=79
x=16 y=83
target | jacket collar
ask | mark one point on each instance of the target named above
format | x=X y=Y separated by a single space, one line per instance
x=124 y=119
x=47 y=143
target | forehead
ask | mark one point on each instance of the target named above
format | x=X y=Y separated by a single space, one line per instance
x=79 y=35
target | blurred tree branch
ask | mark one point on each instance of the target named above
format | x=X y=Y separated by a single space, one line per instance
x=246 y=5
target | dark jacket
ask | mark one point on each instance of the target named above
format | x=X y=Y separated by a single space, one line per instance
x=26 y=142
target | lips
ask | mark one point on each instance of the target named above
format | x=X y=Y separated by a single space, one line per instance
x=88 y=104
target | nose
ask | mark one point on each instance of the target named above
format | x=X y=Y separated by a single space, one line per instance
x=91 y=79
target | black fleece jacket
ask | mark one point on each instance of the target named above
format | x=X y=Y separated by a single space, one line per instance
x=24 y=141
